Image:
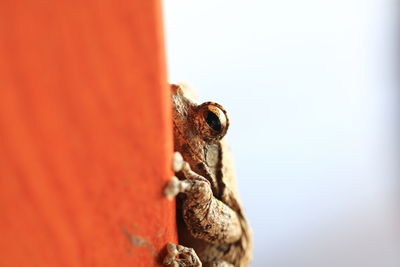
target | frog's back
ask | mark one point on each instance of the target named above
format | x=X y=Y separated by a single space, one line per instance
x=240 y=252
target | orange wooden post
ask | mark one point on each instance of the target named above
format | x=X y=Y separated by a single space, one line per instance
x=85 y=134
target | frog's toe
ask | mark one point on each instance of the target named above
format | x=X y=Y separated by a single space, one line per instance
x=173 y=188
x=177 y=162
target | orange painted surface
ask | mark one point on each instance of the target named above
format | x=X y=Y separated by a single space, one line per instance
x=85 y=134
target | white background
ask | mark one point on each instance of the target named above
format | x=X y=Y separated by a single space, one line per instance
x=311 y=90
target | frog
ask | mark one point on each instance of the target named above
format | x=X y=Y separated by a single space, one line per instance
x=212 y=228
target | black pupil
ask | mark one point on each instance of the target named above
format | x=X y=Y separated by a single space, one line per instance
x=213 y=121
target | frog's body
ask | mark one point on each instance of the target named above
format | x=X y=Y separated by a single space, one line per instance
x=210 y=217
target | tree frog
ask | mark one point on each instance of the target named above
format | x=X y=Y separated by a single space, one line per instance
x=212 y=228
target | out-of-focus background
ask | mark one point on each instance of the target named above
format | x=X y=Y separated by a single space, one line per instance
x=311 y=89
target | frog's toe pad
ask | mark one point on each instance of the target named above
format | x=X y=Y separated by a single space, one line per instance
x=173 y=188
x=177 y=162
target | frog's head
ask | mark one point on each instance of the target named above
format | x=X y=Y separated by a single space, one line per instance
x=207 y=121
x=197 y=128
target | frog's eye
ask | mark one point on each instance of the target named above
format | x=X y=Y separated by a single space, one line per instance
x=212 y=121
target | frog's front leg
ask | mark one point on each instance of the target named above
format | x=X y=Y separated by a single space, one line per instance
x=206 y=217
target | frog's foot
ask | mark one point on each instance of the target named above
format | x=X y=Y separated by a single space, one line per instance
x=176 y=186
x=180 y=165
x=180 y=256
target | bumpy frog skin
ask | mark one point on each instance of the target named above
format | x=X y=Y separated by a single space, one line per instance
x=212 y=228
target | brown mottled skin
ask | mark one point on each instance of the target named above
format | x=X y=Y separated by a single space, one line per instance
x=210 y=217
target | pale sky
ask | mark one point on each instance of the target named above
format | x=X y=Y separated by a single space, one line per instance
x=310 y=86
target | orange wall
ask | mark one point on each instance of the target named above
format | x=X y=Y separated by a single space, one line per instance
x=85 y=134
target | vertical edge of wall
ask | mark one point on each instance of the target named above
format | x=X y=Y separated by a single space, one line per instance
x=85 y=134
